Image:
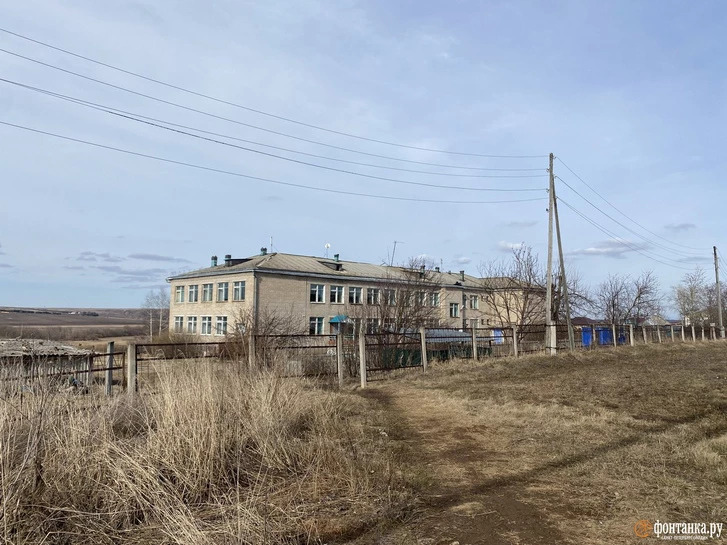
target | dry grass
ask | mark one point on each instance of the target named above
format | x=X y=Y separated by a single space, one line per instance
x=212 y=457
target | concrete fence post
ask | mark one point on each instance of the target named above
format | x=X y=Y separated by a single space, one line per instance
x=681 y=330
x=131 y=386
x=702 y=332
x=671 y=332
x=362 y=354
x=423 y=341
x=109 y=382
x=694 y=337
x=658 y=332
x=339 y=357
x=613 y=332
x=474 y=344
x=631 y=334
x=643 y=332
x=251 y=351
x=712 y=334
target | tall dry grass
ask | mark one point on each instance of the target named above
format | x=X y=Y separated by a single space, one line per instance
x=212 y=457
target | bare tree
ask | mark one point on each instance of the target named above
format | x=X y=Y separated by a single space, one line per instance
x=156 y=302
x=690 y=296
x=621 y=298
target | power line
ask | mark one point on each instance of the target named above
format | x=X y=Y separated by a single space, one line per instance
x=625 y=227
x=268 y=114
x=623 y=214
x=265 y=180
x=157 y=122
x=621 y=240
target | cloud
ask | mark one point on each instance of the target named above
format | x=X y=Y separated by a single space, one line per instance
x=610 y=248
x=273 y=198
x=6 y=266
x=521 y=224
x=125 y=275
x=680 y=227
x=462 y=260
x=697 y=259
x=74 y=267
x=505 y=246
x=94 y=256
x=157 y=257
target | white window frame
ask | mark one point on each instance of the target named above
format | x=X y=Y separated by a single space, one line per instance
x=454 y=310
x=336 y=294
x=238 y=290
x=223 y=288
x=220 y=325
x=192 y=325
x=317 y=293
x=179 y=324
x=193 y=292
x=206 y=328
x=372 y=325
x=315 y=325
x=389 y=297
x=434 y=299
x=179 y=294
x=373 y=296
x=208 y=291
x=474 y=302
x=355 y=295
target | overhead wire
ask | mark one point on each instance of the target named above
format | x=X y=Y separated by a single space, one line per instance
x=622 y=213
x=257 y=111
x=619 y=239
x=626 y=227
x=163 y=125
x=257 y=178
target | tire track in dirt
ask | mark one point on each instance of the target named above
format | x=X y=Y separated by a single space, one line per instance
x=461 y=504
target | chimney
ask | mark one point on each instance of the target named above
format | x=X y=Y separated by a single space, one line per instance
x=421 y=271
x=214 y=261
x=436 y=269
x=461 y=275
x=336 y=257
x=228 y=260
x=263 y=251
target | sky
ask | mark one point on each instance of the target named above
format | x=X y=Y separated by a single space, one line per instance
x=632 y=96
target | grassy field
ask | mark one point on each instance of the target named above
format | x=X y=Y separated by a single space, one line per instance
x=573 y=449
x=567 y=450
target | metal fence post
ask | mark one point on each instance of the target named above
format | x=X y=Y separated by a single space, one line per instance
x=631 y=334
x=362 y=354
x=474 y=344
x=339 y=357
x=131 y=385
x=514 y=340
x=423 y=340
x=109 y=367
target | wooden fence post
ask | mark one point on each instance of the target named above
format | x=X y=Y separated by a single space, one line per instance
x=514 y=340
x=474 y=344
x=658 y=332
x=613 y=332
x=362 y=354
x=631 y=334
x=131 y=385
x=694 y=337
x=339 y=357
x=423 y=340
x=109 y=367
x=89 y=371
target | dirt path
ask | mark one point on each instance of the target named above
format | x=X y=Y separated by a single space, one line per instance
x=463 y=499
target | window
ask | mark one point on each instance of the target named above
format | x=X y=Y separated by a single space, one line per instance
x=317 y=293
x=221 y=325
x=206 y=325
x=336 y=294
x=453 y=310
x=434 y=298
x=178 y=324
x=222 y=291
x=193 y=294
x=191 y=324
x=354 y=295
x=390 y=297
x=179 y=294
x=474 y=302
x=356 y=325
x=422 y=298
x=372 y=325
x=316 y=325
x=389 y=324
x=238 y=291
x=372 y=296
x=206 y=293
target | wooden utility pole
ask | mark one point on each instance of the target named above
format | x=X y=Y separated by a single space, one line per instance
x=550 y=347
x=719 y=294
x=564 y=281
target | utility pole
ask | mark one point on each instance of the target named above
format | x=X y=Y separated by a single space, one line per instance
x=550 y=347
x=719 y=293
x=564 y=282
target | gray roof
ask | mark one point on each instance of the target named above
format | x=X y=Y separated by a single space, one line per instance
x=322 y=266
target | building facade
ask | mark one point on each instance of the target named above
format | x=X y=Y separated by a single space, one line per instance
x=285 y=293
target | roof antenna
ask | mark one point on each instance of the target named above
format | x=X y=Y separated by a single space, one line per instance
x=271 y=244
x=327 y=246
x=391 y=264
